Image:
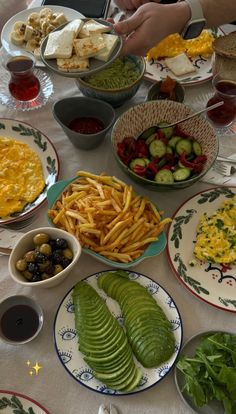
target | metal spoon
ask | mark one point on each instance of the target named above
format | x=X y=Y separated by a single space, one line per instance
x=209 y=108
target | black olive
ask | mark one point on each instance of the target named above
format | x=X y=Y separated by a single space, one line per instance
x=65 y=262
x=36 y=277
x=61 y=244
x=33 y=267
x=49 y=269
x=52 y=243
x=57 y=256
x=40 y=257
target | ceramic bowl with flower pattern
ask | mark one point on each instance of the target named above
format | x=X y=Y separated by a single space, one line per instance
x=139 y=118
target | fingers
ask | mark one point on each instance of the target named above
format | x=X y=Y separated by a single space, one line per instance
x=130 y=25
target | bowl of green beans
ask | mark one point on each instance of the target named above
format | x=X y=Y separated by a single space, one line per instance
x=117 y=83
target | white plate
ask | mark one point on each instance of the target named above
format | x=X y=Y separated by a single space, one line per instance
x=94 y=64
x=20 y=403
x=36 y=140
x=66 y=341
x=189 y=348
x=157 y=70
x=22 y=16
x=214 y=284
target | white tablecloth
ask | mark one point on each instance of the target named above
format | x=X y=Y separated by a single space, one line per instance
x=53 y=387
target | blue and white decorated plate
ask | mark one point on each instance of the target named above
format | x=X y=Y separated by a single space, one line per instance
x=215 y=284
x=66 y=341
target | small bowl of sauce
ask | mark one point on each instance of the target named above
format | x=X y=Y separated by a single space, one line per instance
x=84 y=120
x=21 y=319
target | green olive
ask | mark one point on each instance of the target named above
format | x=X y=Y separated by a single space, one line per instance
x=57 y=269
x=43 y=266
x=45 y=276
x=28 y=275
x=30 y=256
x=41 y=238
x=45 y=249
x=67 y=253
x=21 y=265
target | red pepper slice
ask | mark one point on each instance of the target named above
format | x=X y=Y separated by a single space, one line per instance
x=140 y=170
x=196 y=165
x=141 y=149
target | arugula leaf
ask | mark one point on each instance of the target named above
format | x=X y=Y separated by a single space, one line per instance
x=211 y=373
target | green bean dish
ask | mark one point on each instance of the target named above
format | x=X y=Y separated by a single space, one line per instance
x=121 y=73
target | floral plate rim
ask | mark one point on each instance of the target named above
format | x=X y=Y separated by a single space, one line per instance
x=182 y=273
x=66 y=305
x=25 y=397
x=47 y=153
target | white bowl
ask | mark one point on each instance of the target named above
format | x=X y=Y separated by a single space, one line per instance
x=25 y=243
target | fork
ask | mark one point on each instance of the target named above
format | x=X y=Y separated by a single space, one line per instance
x=224 y=168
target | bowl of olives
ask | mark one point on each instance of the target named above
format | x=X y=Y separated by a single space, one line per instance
x=44 y=257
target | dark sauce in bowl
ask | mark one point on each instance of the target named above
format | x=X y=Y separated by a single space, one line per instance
x=86 y=125
x=19 y=323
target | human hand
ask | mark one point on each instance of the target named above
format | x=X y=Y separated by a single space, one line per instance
x=131 y=4
x=150 y=24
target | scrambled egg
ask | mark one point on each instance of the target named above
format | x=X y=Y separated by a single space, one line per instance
x=174 y=45
x=21 y=176
x=216 y=235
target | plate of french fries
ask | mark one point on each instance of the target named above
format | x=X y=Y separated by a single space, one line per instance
x=113 y=223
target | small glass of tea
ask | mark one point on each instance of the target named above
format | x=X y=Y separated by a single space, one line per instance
x=225 y=90
x=23 y=84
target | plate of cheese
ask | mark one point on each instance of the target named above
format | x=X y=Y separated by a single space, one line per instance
x=187 y=61
x=25 y=31
x=201 y=246
x=81 y=47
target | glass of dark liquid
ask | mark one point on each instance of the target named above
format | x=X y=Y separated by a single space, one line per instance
x=23 y=84
x=225 y=90
x=21 y=319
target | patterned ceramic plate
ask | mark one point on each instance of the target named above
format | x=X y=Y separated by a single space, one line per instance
x=21 y=131
x=157 y=70
x=214 y=284
x=22 y=16
x=66 y=339
x=13 y=402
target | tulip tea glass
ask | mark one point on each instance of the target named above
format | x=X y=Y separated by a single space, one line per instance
x=23 y=84
x=225 y=90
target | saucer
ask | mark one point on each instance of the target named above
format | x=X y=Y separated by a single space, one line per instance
x=46 y=91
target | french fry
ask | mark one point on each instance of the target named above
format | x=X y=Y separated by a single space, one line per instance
x=108 y=217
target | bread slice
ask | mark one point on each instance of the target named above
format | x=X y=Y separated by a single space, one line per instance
x=59 y=45
x=89 y=46
x=180 y=65
x=226 y=45
x=73 y=64
x=91 y=27
x=74 y=26
x=111 y=42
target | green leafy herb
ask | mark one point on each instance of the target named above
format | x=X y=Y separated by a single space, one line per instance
x=211 y=373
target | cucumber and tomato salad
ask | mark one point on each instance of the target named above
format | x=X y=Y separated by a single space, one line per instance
x=164 y=155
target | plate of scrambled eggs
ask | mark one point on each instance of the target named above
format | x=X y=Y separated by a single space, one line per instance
x=29 y=165
x=197 y=53
x=201 y=245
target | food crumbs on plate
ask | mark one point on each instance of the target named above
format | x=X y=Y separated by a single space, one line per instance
x=174 y=45
x=21 y=176
x=216 y=235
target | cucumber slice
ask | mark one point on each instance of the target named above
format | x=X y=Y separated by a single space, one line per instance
x=197 y=149
x=168 y=132
x=164 y=177
x=182 y=174
x=137 y=161
x=157 y=148
x=184 y=145
x=150 y=139
x=149 y=131
x=173 y=141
